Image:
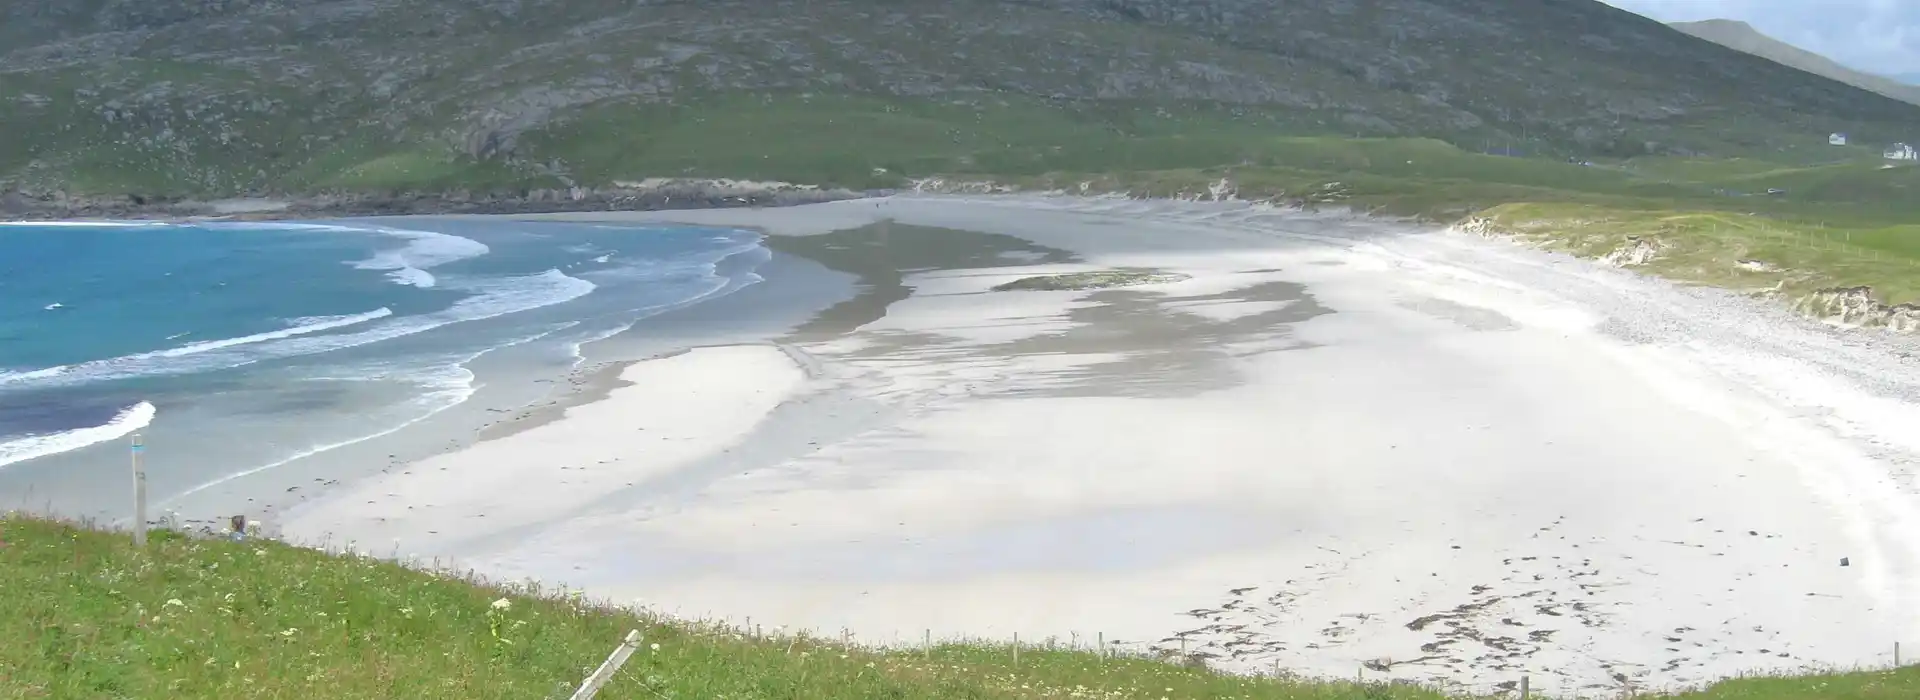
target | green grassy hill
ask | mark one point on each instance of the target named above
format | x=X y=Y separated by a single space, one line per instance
x=89 y=616
x=221 y=97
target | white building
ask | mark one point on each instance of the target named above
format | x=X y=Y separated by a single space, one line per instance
x=1901 y=151
x=1836 y=139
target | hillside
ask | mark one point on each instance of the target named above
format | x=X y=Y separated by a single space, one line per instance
x=215 y=619
x=222 y=97
x=1741 y=36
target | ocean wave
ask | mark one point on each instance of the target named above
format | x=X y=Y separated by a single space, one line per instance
x=408 y=264
x=424 y=249
x=447 y=383
x=130 y=419
x=133 y=362
x=704 y=264
x=87 y=224
x=714 y=284
x=490 y=298
x=313 y=325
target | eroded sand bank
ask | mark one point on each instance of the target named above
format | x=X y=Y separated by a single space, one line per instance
x=1339 y=442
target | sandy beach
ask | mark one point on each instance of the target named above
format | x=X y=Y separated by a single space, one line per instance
x=1333 y=443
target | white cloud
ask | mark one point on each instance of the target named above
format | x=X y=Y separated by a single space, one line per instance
x=1874 y=35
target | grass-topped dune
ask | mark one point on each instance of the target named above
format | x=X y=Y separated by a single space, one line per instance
x=1099 y=279
x=87 y=615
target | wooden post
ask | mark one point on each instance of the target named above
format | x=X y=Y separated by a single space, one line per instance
x=1103 y=645
x=1525 y=688
x=1016 y=650
x=139 y=494
x=607 y=668
x=927 y=642
x=1896 y=655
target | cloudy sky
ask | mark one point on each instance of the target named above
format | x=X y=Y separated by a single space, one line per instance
x=1882 y=36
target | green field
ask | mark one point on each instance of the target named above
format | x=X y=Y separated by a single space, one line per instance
x=89 y=616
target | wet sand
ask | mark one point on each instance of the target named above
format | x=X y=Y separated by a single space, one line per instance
x=1338 y=443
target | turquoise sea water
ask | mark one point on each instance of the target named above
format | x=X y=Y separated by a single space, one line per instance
x=199 y=330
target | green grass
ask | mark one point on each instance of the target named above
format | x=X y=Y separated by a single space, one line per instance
x=1781 y=256
x=89 y=616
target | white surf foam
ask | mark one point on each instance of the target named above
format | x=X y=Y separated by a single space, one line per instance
x=447 y=395
x=491 y=298
x=134 y=363
x=408 y=264
x=313 y=325
x=133 y=418
x=447 y=384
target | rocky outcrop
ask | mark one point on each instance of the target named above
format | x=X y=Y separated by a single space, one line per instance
x=648 y=195
x=1856 y=307
x=1638 y=250
x=941 y=185
x=1478 y=226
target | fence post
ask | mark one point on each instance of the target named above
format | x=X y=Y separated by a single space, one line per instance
x=1016 y=650
x=1525 y=691
x=139 y=494
x=1896 y=655
x=927 y=641
x=607 y=668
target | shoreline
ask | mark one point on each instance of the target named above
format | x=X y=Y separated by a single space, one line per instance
x=517 y=479
x=193 y=481
x=1081 y=462
x=650 y=195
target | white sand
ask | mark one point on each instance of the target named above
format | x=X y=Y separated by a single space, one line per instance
x=1482 y=462
x=676 y=410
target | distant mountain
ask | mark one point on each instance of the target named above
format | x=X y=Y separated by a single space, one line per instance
x=222 y=97
x=1741 y=36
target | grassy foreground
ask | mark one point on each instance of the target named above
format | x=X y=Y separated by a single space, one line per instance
x=88 y=616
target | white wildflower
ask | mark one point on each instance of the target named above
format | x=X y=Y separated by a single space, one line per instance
x=503 y=604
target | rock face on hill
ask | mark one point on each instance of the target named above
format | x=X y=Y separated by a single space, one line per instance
x=1741 y=36
x=234 y=97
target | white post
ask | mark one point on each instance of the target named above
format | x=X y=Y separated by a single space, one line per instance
x=605 y=672
x=139 y=496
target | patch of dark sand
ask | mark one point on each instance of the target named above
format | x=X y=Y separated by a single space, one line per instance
x=882 y=254
x=1081 y=281
x=1160 y=350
